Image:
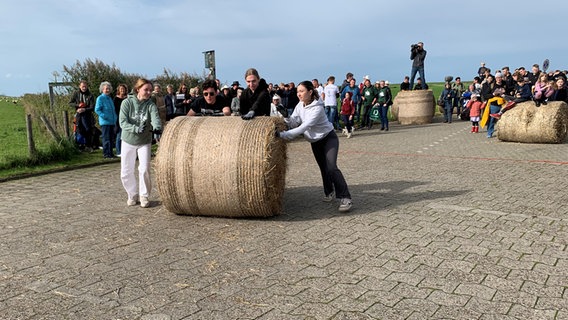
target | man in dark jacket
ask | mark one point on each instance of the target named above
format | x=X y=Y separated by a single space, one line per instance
x=255 y=99
x=83 y=102
x=417 y=55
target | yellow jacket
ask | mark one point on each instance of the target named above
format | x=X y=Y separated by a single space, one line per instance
x=485 y=118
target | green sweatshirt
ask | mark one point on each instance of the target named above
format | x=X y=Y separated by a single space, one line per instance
x=135 y=114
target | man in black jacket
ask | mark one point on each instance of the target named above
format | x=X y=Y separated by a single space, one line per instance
x=417 y=55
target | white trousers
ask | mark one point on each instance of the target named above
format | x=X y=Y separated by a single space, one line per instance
x=127 y=169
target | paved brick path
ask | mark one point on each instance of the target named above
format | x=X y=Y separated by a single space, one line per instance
x=447 y=225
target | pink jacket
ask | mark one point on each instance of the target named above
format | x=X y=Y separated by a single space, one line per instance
x=474 y=108
x=540 y=92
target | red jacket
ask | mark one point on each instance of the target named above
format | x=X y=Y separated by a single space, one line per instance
x=347 y=107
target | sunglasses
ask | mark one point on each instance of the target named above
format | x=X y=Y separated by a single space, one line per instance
x=208 y=93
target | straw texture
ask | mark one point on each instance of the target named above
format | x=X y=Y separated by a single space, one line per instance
x=414 y=107
x=527 y=123
x=222 y=166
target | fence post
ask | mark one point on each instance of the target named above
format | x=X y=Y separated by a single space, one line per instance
x=54 y=134
x=66 y=123
x=31 y=145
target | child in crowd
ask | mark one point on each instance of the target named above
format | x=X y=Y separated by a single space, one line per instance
x=347 y=112
x=474 y=105
x=543 y=90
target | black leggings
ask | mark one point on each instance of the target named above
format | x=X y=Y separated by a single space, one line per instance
x=325 y=152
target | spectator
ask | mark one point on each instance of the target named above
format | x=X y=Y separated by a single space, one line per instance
x=318 y=87
x=560 y=93
x=210 y=103
x=277 y=109
x=236 y=104
x=183 y=100
x=170 y=102
x=474 y=105
x=543 y=90
x=356 y=95
x=330 y=95
x=493 y=106
x=405 y=85
x=83 y=102
x=419 y=85
x=508 y=79
x=448 y=96
x=347 y=112
x=417 y=55
x=138 y=119
x=535 y=74
x=121 y=94
x=104 y=107
x=255 y=100
x=384 y=101
x=369 y=97
x=292 y=98
x=235 y=86
x=309 y=119
x=487 y=88
x=481 y=71
x=346 y=81
x=459 y=89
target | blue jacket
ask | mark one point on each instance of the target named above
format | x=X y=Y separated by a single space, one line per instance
x=104 y=107
x=356 y=94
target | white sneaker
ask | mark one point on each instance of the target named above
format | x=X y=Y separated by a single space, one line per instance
x=132 y=202
x=345 y=205
x=329 y=197
x=144 y=203
x=348 y=135
x=344 y=131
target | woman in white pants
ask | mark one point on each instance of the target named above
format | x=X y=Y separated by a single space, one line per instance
x=139 y=118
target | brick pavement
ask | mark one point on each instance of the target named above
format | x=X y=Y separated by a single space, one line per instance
x=446 y=225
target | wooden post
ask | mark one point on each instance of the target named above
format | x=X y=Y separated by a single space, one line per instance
x=31 y=145
x=54 y=134
x=66 y=123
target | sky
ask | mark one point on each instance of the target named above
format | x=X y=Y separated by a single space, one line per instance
x=284 y=40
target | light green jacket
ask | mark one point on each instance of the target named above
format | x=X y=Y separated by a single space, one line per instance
x=135 y=114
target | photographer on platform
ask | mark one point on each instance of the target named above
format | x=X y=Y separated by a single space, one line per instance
x=417 y=55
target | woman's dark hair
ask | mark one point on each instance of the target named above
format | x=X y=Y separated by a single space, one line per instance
x=310 y=87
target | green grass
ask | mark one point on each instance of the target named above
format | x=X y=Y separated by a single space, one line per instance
x=15 y=160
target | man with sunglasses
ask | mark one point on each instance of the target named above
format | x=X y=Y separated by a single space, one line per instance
x=210 y=103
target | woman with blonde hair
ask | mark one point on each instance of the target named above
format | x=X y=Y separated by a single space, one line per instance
x=139 y=118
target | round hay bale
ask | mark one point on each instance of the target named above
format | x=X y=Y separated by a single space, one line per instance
x=529 y=124
x=222 y=166
x=415 y=107
x=394 y=109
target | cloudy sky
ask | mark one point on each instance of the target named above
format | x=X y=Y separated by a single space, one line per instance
x=285 y=40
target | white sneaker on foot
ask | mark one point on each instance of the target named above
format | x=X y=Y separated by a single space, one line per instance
x=345 y=205
x=144 y=203
x=348 y=135
x=132 y=202
x=344 y=131
x=329 y=197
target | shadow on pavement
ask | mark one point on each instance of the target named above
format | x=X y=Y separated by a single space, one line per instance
x=305 y=203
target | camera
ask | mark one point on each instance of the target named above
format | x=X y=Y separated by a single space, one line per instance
x=414 y=46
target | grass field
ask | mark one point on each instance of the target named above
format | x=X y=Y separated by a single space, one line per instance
x=12 y=131
x=13 y=139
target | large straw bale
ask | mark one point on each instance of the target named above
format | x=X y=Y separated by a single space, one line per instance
x=530 y=124
x=414 y=107
x=222 y=166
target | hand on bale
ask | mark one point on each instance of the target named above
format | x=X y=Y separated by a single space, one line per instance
x=248 y=116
